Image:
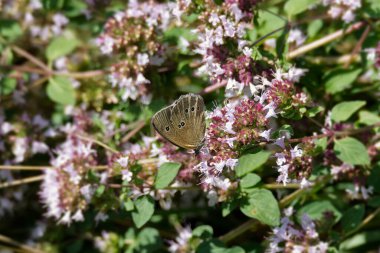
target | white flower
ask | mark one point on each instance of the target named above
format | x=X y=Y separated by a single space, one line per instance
x=126 y=175
x=106 y=44
x=296 y=152
x=123 y=161
x=266 y=134
x=233 y=88
x=229 y=28
x=280 y=142
x=212 y=198
x=247 y=51
x=181 y=241
x=271 y=113
x=231 y=163
x=296 y=35
x=229 y=127
x=237 y=12
x=214 y=19
x=100 y=216
x=141 y=79
x=19 y=149
x=5 y=128
x=219 y=166
x=39 y=147
x=305 y=183
x=294 y=74
x=142 y=59
x=78 y=216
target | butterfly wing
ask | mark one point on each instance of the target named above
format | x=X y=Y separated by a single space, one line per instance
x=183 y=122
x=189 y=121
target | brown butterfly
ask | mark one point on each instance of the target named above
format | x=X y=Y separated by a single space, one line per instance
x=183 y=122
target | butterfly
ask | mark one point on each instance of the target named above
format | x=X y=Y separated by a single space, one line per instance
x=183 y=122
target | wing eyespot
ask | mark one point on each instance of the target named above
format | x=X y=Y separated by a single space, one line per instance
x=179 y=125
x=187 y=110
x=192 y=109
x=182 y=123
x=167 y=129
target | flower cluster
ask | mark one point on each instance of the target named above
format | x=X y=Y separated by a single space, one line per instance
x=181 y=242
x=132 y=35
x=64 y=190
x=226 y=55
x=138 y=165
x=295 y=163
x=41 y=29
x=344 y=9
x=290 y=237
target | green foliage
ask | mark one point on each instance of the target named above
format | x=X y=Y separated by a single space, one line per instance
x=340 y=80
x=60 y=90
x=316 y=210
x=251 y=162
x=59 y=47
x=261 y=205
x=214 y=246
x=144 y=209
x=344 y=110
x=353 y=217
x=294 y=7
x=166 y=174
x=10 y=29
x=249 y=180
x=351 y=151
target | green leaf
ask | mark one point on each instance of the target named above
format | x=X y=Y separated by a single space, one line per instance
x=228 y=206
x=53 y=4
x=144 y=209
x=60 y=90
x=314 y=27
x=269 y=21
x=368 y=118
x=215 y=246
x=316 y=210
x=352 y=217
x=129 y=205
x=203 y=232
x=284 y=130
x=343 y=111
x=7 y=85
x=148 y=240
x=361 y=239
x=166 y=174
x=10 y=29
x=100 y=190
x=341 y=80
x=59 y=47
x=312 y=112
x=251 y=162
x=262 y=205
x=351 y=151
x=374 y=178
x=294 y=7
x=249 y=180
x=374 y=201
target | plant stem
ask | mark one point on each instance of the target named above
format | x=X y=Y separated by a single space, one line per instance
x=25 y=248
x=281 y=186
x=327 y=39
x=129 y=135
x=365 y=222
x=89 y=139
x=336 y=134
x=31 y=58
x=22 y=181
